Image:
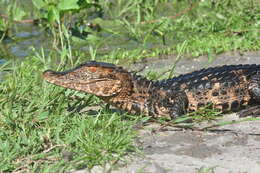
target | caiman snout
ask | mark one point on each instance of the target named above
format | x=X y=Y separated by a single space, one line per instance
x=48 y=72
x=50 y=75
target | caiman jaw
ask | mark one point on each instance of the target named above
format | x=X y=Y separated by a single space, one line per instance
x=52 y=77
x=98 y=86
x=58 y=79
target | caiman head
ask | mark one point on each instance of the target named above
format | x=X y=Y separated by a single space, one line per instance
x=97 y=78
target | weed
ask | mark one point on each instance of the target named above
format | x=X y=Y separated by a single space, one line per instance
x=36 y=125
x=206 y=170
x=138 y=29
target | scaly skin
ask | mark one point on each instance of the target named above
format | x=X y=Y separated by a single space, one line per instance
x=226 y=88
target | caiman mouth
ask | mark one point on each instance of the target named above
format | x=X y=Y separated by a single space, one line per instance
x=99 y=86
x=49 y=73
x=52 y=76
x=57 y=77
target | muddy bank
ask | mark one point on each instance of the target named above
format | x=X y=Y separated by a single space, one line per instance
x=230 y=149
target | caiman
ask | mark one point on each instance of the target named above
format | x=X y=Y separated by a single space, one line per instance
x=226 y=88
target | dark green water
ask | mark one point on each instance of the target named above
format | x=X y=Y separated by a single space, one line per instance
x=23 y=38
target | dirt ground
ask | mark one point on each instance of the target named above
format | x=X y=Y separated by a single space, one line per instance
x=228 y=149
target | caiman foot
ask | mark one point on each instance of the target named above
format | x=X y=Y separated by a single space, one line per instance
x=251 y=111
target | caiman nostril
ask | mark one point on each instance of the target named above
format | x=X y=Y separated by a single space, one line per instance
x=49 y=73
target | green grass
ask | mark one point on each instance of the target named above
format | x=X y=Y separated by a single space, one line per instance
x=134 y=30
x=206 y=170
x=40 y=124
x=207 y=28
x=36 y=126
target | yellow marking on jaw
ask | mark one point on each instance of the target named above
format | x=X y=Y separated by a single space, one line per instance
x=129 y=107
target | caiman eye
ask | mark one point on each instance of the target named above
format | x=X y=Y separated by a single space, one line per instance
x=92 y=69
x=110 y=70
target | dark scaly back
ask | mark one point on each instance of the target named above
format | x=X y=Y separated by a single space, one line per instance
x=226 y=87
x=213 y=74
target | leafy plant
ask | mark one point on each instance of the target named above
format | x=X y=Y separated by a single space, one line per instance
x=53 y=11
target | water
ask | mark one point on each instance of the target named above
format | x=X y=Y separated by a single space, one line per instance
x=23 y=38
x=112 y=36
x=2 y=61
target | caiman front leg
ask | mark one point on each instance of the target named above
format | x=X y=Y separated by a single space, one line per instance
x=254 y=90
x=168 y=104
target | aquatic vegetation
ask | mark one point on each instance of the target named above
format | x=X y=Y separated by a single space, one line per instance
x=138 y=29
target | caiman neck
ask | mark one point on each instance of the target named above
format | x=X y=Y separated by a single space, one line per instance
x=134 y=94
